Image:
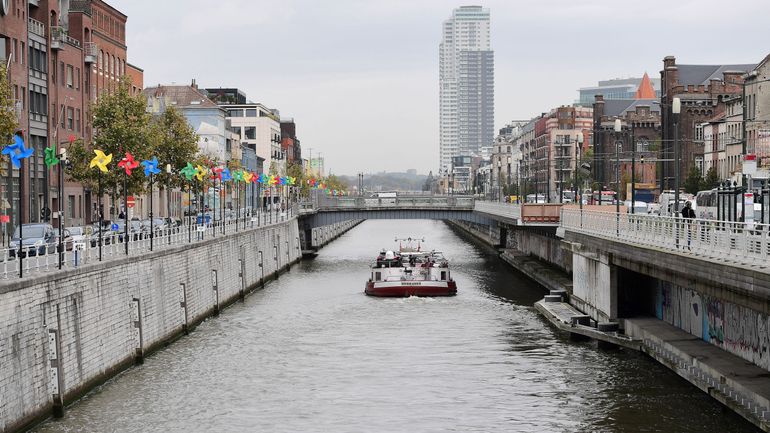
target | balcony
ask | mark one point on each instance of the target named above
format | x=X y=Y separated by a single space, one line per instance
x=36 y=27
x=90 y=52
x=58 y=36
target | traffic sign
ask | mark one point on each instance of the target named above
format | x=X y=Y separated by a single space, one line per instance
x=115 y=227
x=130 y=202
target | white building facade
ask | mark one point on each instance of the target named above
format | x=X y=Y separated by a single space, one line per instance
x=260 y=130
x=466 y=85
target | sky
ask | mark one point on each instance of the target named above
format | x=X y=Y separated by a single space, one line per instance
x=360 y=77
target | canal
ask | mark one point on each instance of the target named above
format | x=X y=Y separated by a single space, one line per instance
x=312 y=353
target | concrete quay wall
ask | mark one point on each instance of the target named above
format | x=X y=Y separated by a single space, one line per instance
x=62 y=334
x=321 y=236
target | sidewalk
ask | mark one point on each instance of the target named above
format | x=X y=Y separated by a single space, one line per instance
x=735 y=382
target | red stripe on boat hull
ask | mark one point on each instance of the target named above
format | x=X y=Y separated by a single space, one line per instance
x=405 y=291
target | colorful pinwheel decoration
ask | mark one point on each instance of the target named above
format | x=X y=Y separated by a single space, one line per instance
x=201 y=172
x=128 y=163
x=224 y=175
x=238 y=176
x=291 y=180
x=150 y=166
x=188 y=171
x=281 y=180
x=247 y=176
x=17 y=151
x=262 y=178
x=50 y=157
x=216 y=173
x=101 y=161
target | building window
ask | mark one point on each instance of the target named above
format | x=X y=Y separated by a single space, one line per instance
x=234 y=113
x=21 y=52
x=70 y=118
x=71 y=206
x=250 y=133
x=77 y=78
x=61 y=73
x=101 y=59
x=251 y=112
x=70 y=76
x=77 y=120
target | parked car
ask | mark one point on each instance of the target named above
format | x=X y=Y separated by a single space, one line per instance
x=37 y=239
x=66 y=240
x=78 y=234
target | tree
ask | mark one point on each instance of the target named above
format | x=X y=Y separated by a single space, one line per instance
x=121 y=124
x=8 y=123
x=295 y=170
x=712 y=179
x=175 y=143
x=694 y=181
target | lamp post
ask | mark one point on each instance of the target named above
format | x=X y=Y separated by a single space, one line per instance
x=676 y=108
x=499 y=180
x=62 y=162
x=508 y=183
x=578 y=148
x=168 y=202
x=618 y=128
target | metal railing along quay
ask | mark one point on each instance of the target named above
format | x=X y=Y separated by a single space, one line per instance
x=721 y=241
x=505 y=210
x=42 y=257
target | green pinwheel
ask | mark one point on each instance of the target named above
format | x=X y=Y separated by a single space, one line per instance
x=50 y=157
x=189 y=171
x=238 y=176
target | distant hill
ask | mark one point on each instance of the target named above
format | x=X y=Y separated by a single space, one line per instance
x=409 y=181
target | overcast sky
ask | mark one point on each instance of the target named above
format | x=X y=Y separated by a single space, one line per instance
x=360 y=77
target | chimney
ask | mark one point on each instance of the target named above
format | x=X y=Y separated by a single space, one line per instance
x=194 y=85
x=669 y=61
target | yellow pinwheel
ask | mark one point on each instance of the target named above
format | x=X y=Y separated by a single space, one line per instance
x=100 y=160
x=201 y=172
x=247 y=176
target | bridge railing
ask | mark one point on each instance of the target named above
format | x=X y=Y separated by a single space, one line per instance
x=505 y=210
x=415 y=202
x=528 y=213
x=726 y=241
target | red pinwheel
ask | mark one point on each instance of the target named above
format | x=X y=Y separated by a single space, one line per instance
x=216 y=173
x=128 y=163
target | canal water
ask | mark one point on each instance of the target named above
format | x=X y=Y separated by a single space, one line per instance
x=312 y=353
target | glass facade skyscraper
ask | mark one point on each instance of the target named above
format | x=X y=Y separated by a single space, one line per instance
x=466 y=84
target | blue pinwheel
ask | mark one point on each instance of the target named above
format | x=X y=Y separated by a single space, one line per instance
x=282 y=180
x=150 y=166
x=262 y=178
x=226 y=175
x=17 y=151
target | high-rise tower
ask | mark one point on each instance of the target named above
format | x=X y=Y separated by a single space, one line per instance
x=466 y=84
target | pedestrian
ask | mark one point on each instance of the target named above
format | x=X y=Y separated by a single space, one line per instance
x=688 y=214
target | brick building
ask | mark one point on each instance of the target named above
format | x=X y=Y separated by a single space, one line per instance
x=62 y=55
x=549 y=155
x=704 y=91
x=641 y=131
x=290 y=144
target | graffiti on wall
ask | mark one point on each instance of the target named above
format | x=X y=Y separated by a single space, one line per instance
x=736 y=329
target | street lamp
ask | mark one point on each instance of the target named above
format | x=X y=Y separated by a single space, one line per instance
x=168 y=201
x=508 y=184
x=676 y=108
x=578 y=148
x=618 y=143
x=499 y=181
x=618 y=128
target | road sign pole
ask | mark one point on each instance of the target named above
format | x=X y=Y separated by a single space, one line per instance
x=125 y=211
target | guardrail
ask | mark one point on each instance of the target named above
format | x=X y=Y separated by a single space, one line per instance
x=721 y=241
x=43 y=257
